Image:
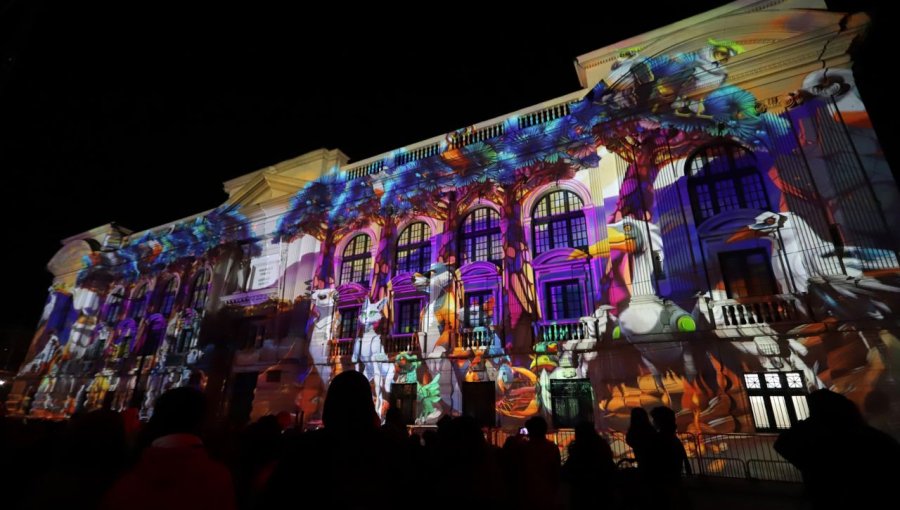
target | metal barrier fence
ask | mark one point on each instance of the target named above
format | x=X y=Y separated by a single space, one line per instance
x=745 y=456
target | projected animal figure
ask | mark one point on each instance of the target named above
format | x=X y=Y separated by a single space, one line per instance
x=806 y=254
x=441 y=312
x=368 y=353
x=646 y=312
x=440 y=321
x=323 y=302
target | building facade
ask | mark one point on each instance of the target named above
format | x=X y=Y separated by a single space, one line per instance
x=709 y=224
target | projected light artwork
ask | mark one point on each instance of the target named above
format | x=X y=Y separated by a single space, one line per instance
x=687 y=231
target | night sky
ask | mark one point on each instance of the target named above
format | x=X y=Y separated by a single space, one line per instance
x=138 y=114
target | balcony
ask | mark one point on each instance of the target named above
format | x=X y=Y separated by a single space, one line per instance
x=562 y=331
x=756 y=311
x=251 y=297
x=401 y=342
x=341 y=347
x=476 y=338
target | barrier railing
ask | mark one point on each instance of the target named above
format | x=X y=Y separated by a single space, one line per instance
x=744 y=456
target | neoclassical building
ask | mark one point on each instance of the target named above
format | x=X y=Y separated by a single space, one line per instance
x=707 y=224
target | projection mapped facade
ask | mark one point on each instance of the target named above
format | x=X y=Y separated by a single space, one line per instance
x=708 y=225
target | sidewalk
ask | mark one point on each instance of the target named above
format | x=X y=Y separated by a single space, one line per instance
x=710 y=493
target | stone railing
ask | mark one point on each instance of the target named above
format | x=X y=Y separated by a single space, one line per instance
x=406 y=342
x=561 y=331
x=475 y=338
x=367 y=169
x=341 y=347
x=544 y=115
x=754 y=311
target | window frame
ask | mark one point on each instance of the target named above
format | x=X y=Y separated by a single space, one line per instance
x=735 y=174
x=348 y=314
x=139 y=300
x=548 y=296
x=200 y=290
x=766 y=393
x=352 y=254
x=467 y=319
x=585 y=412
x=416 y=305
x=492 y=235
x=571 y=216
x=421 y=247
x=745 y=267
x=169 y=297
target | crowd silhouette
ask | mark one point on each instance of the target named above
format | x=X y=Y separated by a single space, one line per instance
x=98 y=460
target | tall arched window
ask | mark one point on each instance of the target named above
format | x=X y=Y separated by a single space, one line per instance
x=414 y=249
x=169 y=296
x=113 y=305
x=200 y=290
x=722 y=177
x=356 y=262
x=480 y=236
x=138 y=303
x=558 y=222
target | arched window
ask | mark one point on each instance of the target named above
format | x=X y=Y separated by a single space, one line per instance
x=480 y=237
x=138 y=303
x=414 y=249
x=113 y=306
x=356 y=263
x=723 y=177
x=558 y=222
x=168 y=298
x=200 y=290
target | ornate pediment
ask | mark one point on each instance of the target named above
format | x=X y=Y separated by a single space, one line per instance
x=264 y=187
x=479 y=270
x=560 y=256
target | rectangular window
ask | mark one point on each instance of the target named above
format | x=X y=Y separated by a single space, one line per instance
x=777 y=399
x=403 y=397
x=479 y=308
x=579 y=232
x=479 y=402
x=564 y=300
x=747 y=273
x=349 y=321
x=572 y=401
x=541 y=238
x=496 y=246
x=356 y=271
x=408 y=314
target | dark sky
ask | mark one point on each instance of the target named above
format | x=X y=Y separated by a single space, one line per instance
x=137 y=114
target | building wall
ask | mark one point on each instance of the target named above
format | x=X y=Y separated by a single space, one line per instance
x=711 y=228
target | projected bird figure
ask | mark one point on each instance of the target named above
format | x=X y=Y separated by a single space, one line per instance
x=646 y=313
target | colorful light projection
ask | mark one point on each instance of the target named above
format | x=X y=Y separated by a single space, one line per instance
x=660 y=301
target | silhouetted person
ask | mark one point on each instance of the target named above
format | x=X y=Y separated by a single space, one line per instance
x=642 y=437
x=590 y=469
x=348 y=462
x=394 y=427
x=671 y=459
x=174 y=471
x=467 y=451
x=91 y=455
x=258 y=448
x=541 y=467
x=845 y=463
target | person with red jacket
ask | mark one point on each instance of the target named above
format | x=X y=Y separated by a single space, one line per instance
x=174 y=472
